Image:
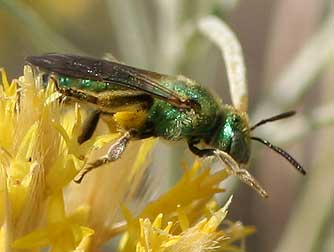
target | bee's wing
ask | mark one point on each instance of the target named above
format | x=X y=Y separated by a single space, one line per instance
x=112 y=72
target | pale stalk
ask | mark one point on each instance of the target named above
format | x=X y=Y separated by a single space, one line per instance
x=220 y=34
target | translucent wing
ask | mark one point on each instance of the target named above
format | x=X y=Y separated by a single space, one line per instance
x=111 y=72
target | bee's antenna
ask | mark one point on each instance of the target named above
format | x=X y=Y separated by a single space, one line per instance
x=274 y=118
x=283 y=153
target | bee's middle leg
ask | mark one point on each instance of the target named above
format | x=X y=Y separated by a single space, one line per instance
x=114 y=152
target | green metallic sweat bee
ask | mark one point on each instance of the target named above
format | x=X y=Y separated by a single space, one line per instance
x=171 y=107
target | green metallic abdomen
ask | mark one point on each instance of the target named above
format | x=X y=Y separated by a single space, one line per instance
x=174 y=123
x=83 y=84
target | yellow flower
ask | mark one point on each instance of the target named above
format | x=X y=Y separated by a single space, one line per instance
x=182 y=207
x=40 y=206
x=202 y=236
x=62 y=233
x=31 y=151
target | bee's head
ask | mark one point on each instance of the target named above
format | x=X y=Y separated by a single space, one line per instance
x=234 y=135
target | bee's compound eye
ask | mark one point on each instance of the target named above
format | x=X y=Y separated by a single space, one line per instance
x=240 y=148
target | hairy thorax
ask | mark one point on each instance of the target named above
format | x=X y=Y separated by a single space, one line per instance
x=174 y=123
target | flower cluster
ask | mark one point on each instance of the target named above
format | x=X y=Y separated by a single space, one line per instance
x=41 y=209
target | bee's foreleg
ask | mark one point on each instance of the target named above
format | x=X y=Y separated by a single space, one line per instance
x=199 y=152
x=114 y=152
x=233 y=168
x=89 y=126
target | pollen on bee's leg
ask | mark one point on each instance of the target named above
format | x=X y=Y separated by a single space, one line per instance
x=114 y=152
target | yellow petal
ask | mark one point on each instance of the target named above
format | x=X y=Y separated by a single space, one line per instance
x=36 y=239
x=157 y=221
x=9 y=88
x=217 y=218
x=56 y=210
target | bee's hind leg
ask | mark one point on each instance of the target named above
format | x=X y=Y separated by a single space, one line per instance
x=89 y=126
x=114 y=152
